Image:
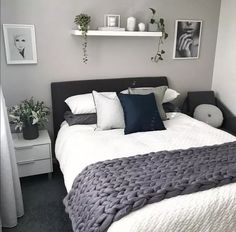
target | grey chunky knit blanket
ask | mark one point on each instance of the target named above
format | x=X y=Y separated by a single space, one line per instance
x=106 y=191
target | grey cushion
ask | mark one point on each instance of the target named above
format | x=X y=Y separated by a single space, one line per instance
x=80 y=119
x=209 y=114
x=159 y=93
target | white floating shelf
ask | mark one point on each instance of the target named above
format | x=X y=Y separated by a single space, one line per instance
x=119 y=33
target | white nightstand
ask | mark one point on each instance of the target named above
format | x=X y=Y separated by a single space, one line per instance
x=33 y=156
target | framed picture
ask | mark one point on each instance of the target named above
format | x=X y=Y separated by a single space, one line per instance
x=111 y=20
x=187 y=39
x=20 y=44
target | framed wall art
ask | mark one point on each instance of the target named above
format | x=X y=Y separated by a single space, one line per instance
x=111 y=20
x=187 y=39
x=20 y=44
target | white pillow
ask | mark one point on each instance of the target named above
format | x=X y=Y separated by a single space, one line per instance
x=83 y=103
x=125 y=91
x=110 y=113
x=169 y=96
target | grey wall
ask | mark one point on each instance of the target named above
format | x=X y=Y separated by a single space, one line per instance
x=59 y=53
x=224 y=78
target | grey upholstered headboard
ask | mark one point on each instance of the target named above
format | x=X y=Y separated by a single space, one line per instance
x=62 y=90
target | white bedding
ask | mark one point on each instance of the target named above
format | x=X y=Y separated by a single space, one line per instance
x=79 y=146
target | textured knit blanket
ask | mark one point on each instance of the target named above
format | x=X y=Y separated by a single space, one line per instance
x=106 y=191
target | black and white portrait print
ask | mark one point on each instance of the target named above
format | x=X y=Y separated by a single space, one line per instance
x=20 y=44
x=187 y=39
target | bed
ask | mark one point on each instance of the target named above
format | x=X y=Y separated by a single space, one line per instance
x=76 y=146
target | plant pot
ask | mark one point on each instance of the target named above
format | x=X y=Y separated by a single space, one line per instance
x=79 y=27
x=30 y=132
x=152 y=27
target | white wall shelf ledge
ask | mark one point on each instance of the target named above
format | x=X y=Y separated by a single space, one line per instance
x=118 y=33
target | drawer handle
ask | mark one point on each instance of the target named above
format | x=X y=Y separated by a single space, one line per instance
x=26 y=162
x=22 y=148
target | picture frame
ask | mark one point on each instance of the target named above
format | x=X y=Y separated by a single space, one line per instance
x=20 y=44
x=187 y=39
x=111 y=20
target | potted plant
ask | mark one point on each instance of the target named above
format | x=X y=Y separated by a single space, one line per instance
x=28 y=116
x=153 y=24
x=83 y=21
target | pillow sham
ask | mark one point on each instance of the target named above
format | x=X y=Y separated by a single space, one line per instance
x=125 y=91
x=141 y=113
x=83 y=103
x=80 y=119
x=169 y=96
x=109 y=111
x=159 y=93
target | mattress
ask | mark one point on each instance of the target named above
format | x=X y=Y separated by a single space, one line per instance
x=80 y=145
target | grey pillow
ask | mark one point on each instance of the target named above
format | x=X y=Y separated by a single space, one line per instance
x=209 y=114
x=80 y=119
x=159 y=93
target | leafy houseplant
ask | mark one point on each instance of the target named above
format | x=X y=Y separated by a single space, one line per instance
x=153 y=25
x=161 y=27
x=27 y=116
x=83 y=21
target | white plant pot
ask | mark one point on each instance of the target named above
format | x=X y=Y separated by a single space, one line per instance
x=79 y=27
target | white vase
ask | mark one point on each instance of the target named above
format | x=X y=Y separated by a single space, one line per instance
x=141 y=26
x=131 y=23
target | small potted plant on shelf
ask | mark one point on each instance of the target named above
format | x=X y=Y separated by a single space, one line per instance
x=153 y=24
x=83 y=21
x=158 y=25
x=28 y=116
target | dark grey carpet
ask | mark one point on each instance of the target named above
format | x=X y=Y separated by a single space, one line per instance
x=44 y=210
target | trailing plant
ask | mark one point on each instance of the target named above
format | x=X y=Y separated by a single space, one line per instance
x=28 y=112
x=83 y=21
x=161 y=27
x=153 y=20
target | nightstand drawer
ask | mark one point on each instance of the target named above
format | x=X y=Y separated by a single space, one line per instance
x=31 y=167
x=32 y=153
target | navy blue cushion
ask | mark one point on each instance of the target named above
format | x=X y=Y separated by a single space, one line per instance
x=141 y=113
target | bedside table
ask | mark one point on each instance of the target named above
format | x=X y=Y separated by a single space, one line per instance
x=33 y=157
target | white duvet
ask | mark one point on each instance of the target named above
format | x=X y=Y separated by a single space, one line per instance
x=213 y=210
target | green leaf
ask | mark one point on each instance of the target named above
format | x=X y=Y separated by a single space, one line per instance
x=152 y=21
x=162 y=21
x=153 y=11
